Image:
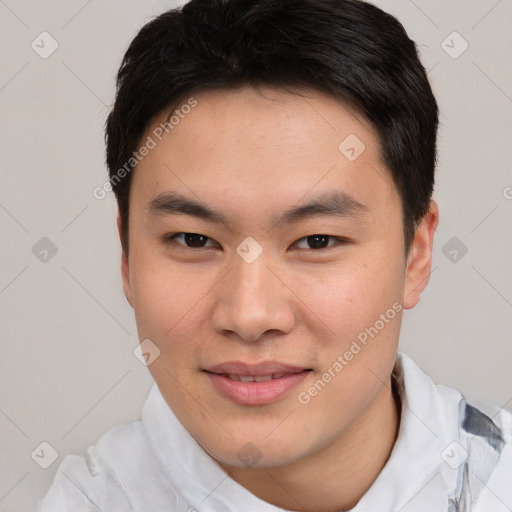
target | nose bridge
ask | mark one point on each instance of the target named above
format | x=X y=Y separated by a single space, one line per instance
x=252 y=281
x=253 y=300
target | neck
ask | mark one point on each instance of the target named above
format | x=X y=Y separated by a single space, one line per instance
x=336 y=477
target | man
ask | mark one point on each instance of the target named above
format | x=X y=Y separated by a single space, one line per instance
x=273 y=164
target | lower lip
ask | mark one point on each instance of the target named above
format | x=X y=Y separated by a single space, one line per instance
x=256 y=393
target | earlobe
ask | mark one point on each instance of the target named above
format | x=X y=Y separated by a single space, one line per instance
x=125 y=265
x=419 y=259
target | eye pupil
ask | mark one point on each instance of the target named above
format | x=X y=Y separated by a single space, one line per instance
x=318 y=241
x=195 y=240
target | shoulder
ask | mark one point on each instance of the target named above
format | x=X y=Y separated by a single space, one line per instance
x=92 y=481
x=497 y=492
x=473 y=446
x=484 y=452
x=122 y=472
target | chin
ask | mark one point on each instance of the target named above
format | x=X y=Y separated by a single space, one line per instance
x=252 y=452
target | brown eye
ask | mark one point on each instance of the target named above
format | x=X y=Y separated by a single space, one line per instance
x=190 y=240
x=316 y=242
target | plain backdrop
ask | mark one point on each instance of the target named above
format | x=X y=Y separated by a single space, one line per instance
x=68 y=372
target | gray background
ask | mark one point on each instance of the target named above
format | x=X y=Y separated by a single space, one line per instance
x=68 y=372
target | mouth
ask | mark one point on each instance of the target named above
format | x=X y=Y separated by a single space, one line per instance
x=260 y=384
x=252 y=378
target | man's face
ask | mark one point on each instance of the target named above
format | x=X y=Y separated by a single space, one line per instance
x=221 y=312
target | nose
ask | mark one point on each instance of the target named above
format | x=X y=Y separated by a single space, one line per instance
x=253 y=302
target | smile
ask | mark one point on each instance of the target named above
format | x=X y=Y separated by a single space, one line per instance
x=261 y=384
x=253 y=378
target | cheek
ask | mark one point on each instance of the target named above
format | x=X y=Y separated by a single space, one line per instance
x=164 y=296
x=348 y=298
x=362 y=307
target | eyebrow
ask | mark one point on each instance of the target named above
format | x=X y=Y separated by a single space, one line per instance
x=330 y=204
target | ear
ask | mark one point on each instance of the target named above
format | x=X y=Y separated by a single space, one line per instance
x=419 y=259
x=125 y=265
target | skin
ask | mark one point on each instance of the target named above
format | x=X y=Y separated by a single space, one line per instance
x=251 y=155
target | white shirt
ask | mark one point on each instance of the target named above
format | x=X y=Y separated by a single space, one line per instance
x=449 y=457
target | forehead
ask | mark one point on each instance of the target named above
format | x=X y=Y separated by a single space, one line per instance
x=264 y=147
x=248 y=117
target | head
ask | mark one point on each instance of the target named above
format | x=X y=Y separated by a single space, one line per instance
x=274 y=208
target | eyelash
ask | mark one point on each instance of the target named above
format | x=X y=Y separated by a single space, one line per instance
x=168 y=239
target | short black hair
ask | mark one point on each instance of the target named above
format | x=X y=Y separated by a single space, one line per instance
x=349 y=49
